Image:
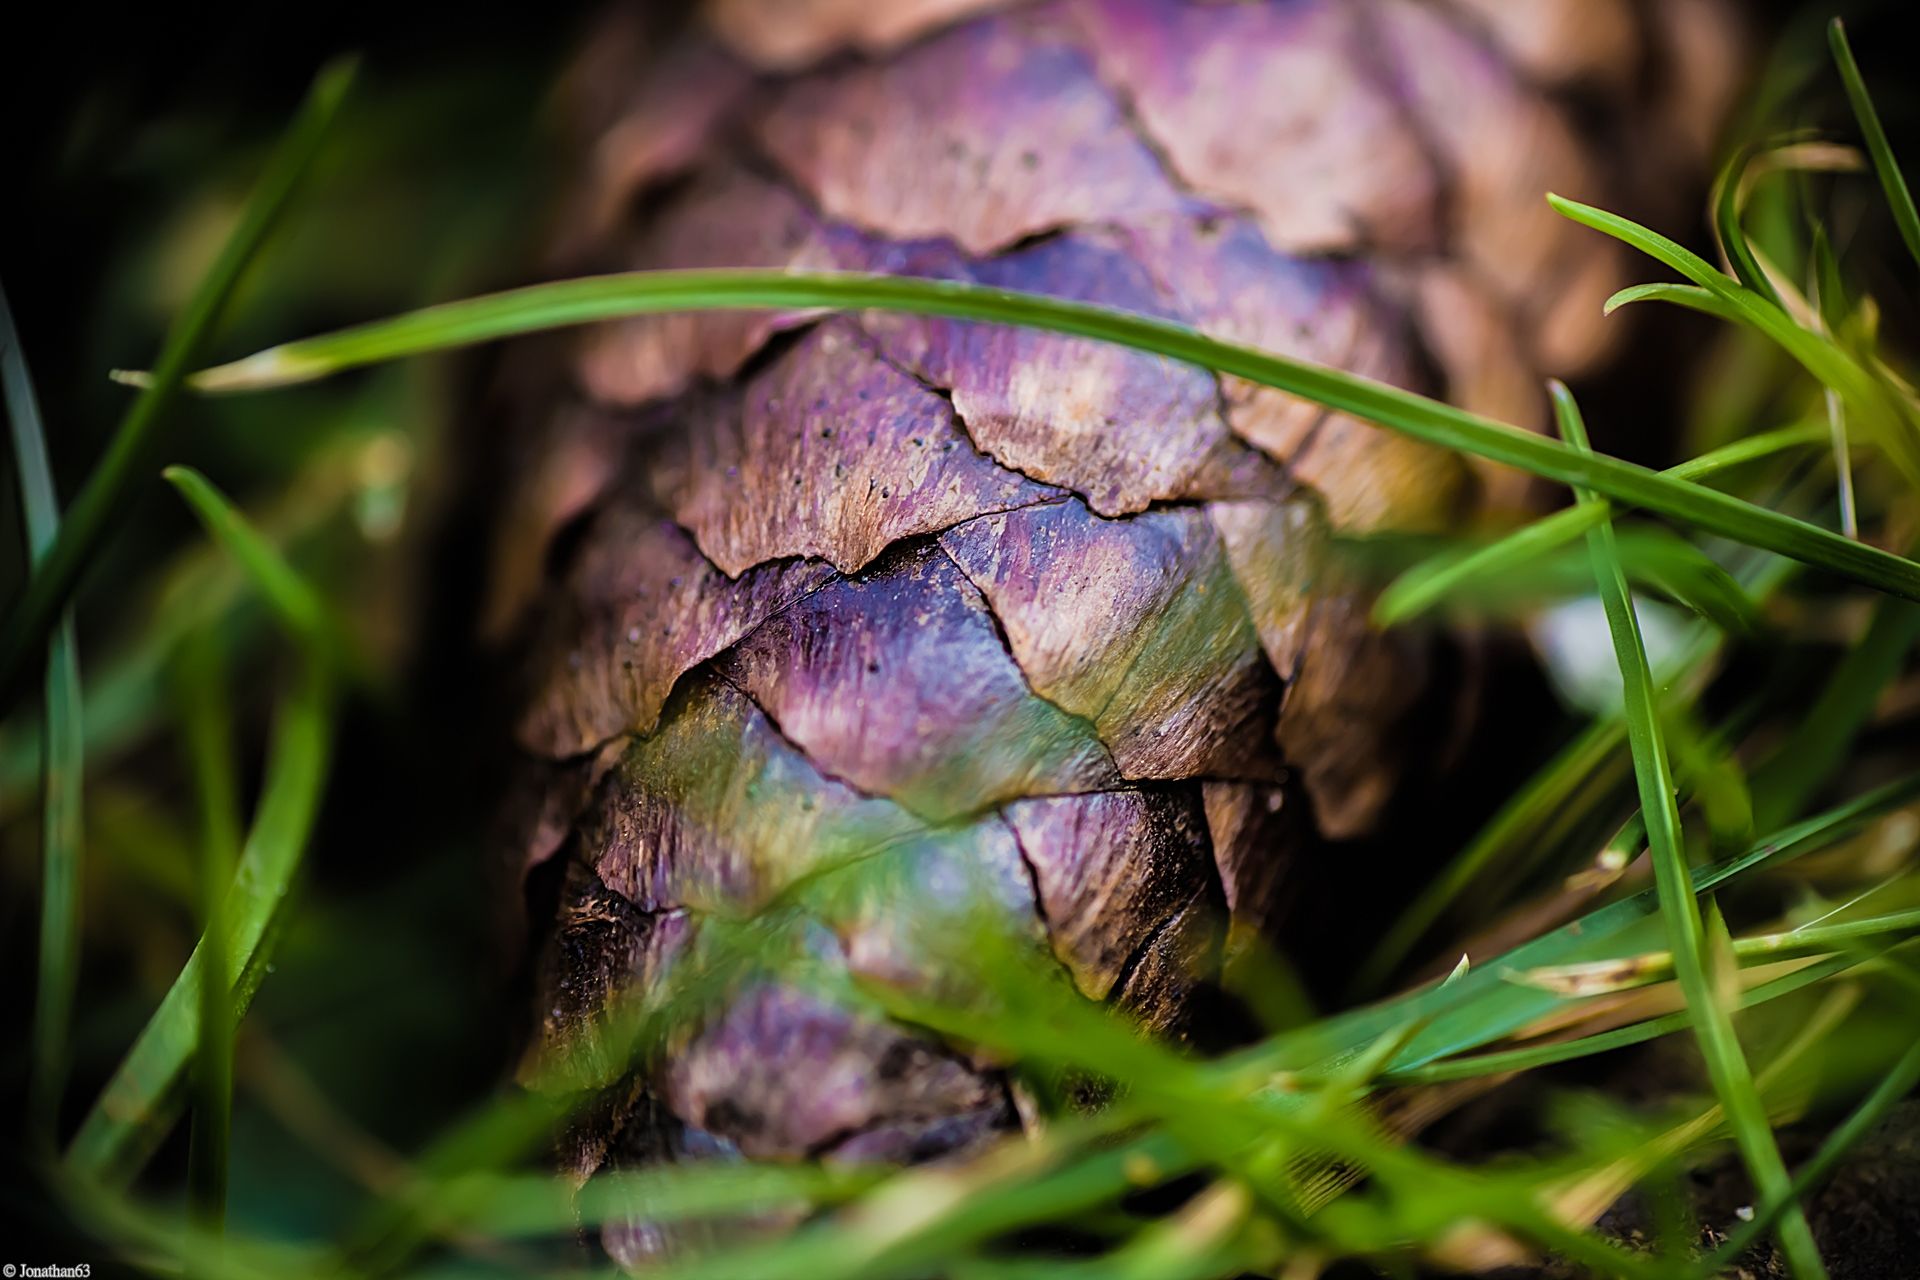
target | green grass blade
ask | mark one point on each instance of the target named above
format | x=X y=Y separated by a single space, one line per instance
x=1818 y=746
x=298 y=606
x=1726 y=1064
x=1623 y=973
x=214 y=987
x=1888 y=1091
x=104 y=498
x=1899 y=199
x=1483 y=1007
x=63 y=756
x=1818 y=354
x=207 y=724
x=1690 y=296
x=573 y=302
x=1732 y=236
x=1425 y=585
x=138 y=1104
x=1522 y=816
x=1502 y=1061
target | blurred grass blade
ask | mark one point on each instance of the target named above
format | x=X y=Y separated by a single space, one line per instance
x=207 y=725
x=139 y=1103
x=1425 y=585
x=1713 y=1026
x=1899 y=198
x=298 y=606
x=105 y=497
x=1547 y=793
x=508 y=1206
x=1713 y=775
x=1830 y=312
x=572 y=302
x=1888 y=1091
x=1818 y=745
x=1551 y=806
x=62 y=756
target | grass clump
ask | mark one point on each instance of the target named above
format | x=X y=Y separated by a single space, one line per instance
x=1294 y=1151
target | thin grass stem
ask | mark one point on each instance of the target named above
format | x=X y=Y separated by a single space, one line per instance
x=1892 y=181
x=207 y=727
x=62 y=757
x=1726 y=1065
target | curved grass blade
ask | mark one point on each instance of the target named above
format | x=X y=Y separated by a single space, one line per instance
x=1731 y=235
x=104 y=498
x=1690 y=296
x=1734 y=190
x=1726 y=1064
x=137 y=1106
x=574 y=302
x=298 y=606
x=140 y=1101
x=62 y=756
x=1899 y=198
x=1892 y=422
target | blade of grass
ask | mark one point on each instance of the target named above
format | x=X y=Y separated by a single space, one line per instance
x=207 y=726
x=1545 y=794
x=62 y=756
x=298 y=606
x=1899 y=199
x=1890 y=1090
x=1832 y=316
x=1731 y=235
x=573 y=302
x=1482 y=1007
x=1545 y=809
x=1690 y=296
x=1813 y=753
x=1892 y=421
x=1504 y=1061
x=1726 y=1065
x=103 y=500
x=1422 y=587
x=138 y=1103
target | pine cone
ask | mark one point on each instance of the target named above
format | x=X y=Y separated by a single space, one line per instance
x=993 y=608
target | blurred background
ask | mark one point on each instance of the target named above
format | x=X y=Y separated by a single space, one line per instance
x=131 y=135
